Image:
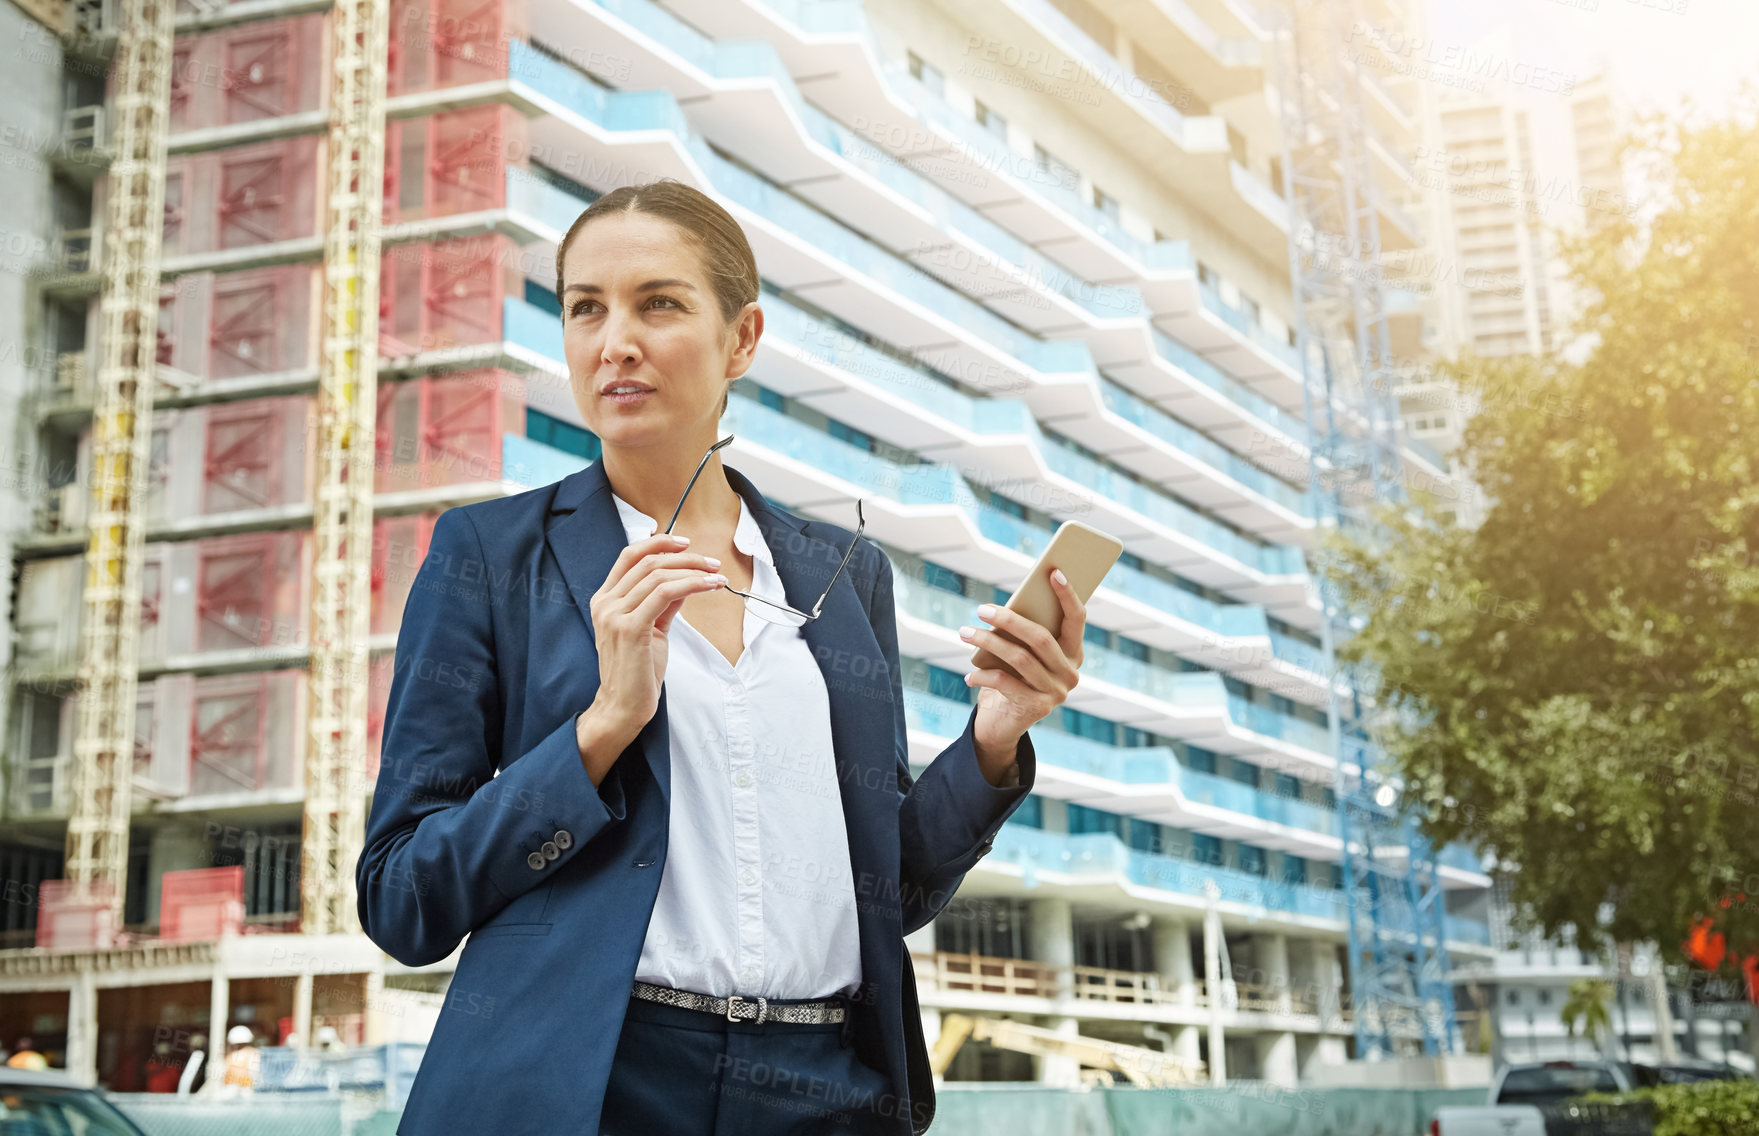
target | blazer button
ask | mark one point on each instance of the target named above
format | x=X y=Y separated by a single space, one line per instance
x=536 y=860
x=564 y=839
x=549 y=850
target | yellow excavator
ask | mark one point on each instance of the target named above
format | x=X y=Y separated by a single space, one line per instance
x=1148 y=1068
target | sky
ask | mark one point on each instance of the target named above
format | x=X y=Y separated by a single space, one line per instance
x=1658 y=50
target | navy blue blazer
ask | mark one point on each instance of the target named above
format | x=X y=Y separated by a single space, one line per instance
x=479 y=768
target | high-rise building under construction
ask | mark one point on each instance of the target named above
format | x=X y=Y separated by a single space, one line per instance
x=1023 y=261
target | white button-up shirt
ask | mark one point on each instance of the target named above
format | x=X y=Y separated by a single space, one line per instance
x=757 y=896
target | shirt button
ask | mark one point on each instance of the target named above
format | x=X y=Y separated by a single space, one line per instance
x=747 y=876
x=742 y=779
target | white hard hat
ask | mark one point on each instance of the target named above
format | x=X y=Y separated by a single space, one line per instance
x=327 y=1035
x=239 y=1035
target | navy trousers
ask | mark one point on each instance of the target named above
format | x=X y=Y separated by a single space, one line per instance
x=682 y=1072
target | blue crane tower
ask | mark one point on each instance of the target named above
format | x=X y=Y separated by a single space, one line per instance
x=1392 y=892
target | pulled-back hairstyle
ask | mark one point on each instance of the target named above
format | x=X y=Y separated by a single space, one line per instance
x=726 y=254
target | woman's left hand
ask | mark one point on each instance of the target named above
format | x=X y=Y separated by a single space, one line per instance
x=1049 y=666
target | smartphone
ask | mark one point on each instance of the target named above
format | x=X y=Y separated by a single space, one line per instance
x=1085 y=554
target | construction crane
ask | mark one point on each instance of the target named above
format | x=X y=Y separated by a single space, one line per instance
x=342 y=493
x=1149 y=1068
x=122 y=431
x=1394 y=903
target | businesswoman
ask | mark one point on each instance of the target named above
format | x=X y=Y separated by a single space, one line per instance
x=645 y=746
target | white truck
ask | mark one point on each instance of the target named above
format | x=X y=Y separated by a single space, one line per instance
x=1519 y=1092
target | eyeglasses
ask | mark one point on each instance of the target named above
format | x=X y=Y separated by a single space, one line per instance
x=770 y=610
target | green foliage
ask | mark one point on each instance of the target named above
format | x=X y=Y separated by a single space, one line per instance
x=1576 y=682
x=1705 y=1108
x=1587 y=1006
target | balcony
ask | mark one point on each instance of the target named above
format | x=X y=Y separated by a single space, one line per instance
x=1101 y=858
x=828 y=47
x=1211 y=544
x=985 y=346
x=948 y=972
x=1194 y=707
x=963 y=976
x=1135 y=769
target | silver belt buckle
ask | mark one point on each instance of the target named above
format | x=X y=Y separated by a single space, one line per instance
x=763 y=1008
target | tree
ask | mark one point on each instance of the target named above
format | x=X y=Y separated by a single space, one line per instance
x=1574 y=684
x=1587 y=1006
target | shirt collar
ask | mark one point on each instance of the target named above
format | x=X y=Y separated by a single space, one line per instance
x=747 y=534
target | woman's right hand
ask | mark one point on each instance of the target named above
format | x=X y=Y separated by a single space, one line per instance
x=631 y=614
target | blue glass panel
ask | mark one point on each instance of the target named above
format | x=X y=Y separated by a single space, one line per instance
x=539 y=296
x=1030 y=814
x=943 y=683
x=1252 y=859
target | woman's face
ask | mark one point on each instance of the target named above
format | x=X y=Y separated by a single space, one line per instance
x=638 y=309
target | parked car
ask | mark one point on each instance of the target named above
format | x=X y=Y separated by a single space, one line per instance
x=1684 y=1071
x=1521 y=1095
x=47 y=1102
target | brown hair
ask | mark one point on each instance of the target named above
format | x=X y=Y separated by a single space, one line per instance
x=726 y=254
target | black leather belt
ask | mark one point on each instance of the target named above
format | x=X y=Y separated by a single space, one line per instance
x=739 y=1008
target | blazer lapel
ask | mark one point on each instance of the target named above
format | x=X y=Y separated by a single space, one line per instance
x=586 y=543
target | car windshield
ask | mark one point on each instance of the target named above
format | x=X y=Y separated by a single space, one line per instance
x=47 y=1110
x=1555 y=1082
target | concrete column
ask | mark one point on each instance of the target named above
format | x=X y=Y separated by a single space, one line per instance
x=1212 y=976
x=219 y=1009
x=931 y=1026
x=1314 y=1054
x=82 y=1027
x=1276 y=1058
x=1273 y=958
x=1324 y=981
x=1060 y=1072
x=1187 y=1043
x=1326 y=1051
x=1172 y=958
x=1052 y=942
x=1052 y=937
x=919 y=942
x=373 y=1008
x=302 y=1007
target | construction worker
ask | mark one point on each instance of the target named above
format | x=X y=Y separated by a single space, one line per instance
x=242 y=1061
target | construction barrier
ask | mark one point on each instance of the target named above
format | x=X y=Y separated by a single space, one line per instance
x=1121 y=1110
x=965 y=1109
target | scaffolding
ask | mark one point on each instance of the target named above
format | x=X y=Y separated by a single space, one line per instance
x=342 y=516
x=1394 y=902
x=251 y=196
x=121 y=447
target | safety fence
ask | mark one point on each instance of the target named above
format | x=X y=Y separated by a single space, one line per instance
x=967 y=1109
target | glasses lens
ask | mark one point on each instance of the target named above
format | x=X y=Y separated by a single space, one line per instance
x=770 y=613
